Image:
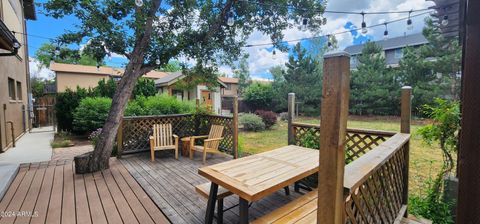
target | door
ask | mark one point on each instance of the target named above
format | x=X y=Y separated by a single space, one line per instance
x=207 y=97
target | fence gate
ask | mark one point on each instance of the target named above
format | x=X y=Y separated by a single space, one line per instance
x=44 y=111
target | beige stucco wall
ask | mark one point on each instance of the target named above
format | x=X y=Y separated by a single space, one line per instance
x=72 y=80
x=13 y=67
x=233 y=91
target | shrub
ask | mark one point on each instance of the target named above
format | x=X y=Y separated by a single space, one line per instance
x=259 y=96
x=66 y=104
x=94 y=136
x=91 y=114
x=269 y=118
x=284 y=116
x=310 y=140
x=252 y=122
x=158 y=105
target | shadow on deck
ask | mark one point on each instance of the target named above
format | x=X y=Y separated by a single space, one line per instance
x=171 y=185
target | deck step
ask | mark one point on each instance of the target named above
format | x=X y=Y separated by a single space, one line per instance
x=8 y=171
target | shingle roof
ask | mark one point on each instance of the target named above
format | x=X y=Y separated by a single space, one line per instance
x=392 y=43
x=228 y=79
x=171 y=78
x=102 y=70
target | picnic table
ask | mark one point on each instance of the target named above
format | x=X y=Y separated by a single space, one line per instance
x=257 y=176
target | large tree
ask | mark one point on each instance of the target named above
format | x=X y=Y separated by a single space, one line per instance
x=303 y=74
x=243 y=74
x=152 y=32
x=374 y=87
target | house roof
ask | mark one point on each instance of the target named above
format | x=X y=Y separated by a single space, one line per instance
x=173 y=77
x=102 y=70
x=392 y=43
x=228 y=80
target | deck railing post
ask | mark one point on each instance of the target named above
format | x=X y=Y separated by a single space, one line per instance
x=405 y=120
x=120 y=139
x=334 y=114
x=235 y=127
x=291 y=112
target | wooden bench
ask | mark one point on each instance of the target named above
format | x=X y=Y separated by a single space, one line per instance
x=204 y=190
x=301 y=210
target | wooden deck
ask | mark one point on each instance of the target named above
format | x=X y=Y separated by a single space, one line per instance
x=50 y=192
x=171 y=184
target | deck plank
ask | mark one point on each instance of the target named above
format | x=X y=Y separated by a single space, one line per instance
x=57 y=195
x=169 y=181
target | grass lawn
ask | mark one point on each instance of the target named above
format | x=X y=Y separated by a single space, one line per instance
x=425 y=160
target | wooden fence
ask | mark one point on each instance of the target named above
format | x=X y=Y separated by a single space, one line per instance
x=359 y=141
x=376 y=184
x=134 y=132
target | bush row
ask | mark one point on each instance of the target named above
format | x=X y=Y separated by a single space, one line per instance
x=92 y=112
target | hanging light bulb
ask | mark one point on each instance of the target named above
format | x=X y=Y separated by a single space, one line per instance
x=157 y=62
x=409 y=21
x=304 y=24
x=385 y=33
x=98 y=67
x=230 y=19
x=139 y=3
x=274 y=54
x=445 y=20
x=329 y=42
x=364 y=25
x=57 y=51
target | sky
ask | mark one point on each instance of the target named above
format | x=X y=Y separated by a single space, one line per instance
x=261 y=60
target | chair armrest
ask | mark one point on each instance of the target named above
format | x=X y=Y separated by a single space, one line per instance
x=151 y=138
x=198 y=137
x=175 y=136
x=212 y=139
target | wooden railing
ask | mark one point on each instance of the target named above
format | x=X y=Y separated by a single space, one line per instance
x=358 y=141
x=134 y=132
x=376 y=184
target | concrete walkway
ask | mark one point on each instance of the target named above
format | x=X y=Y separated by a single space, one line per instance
x=32 y=147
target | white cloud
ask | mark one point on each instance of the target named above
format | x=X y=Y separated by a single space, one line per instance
x=39 y=71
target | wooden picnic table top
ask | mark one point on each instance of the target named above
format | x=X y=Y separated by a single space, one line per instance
x=256 y=176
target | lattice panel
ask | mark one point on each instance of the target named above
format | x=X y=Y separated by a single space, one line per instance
x=137 y=130
x=379 y=198
x=358 y=143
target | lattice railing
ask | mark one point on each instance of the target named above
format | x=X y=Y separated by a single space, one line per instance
x=136 y=130
x=377 y=183
x=359 y=141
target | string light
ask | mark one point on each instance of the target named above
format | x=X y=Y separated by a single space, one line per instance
x=57 y=51
x=409 y=21
x=230 y=19
x=385 y=33
x=364 y=25
x=329 y=42
x=157 y=62
x=139 y=3
x=304 y=24
x=445 y=17
x=274 y=54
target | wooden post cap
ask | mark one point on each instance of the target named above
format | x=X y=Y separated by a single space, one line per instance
x=333 y=54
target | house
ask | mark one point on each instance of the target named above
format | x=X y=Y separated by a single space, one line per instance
x=231 y=88
x=392 y=48
x=14 y=70
x=70 y=75
x=210 y=96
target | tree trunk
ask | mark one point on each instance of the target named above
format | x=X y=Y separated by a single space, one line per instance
x=99 y=158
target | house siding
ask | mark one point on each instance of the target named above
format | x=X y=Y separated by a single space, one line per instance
x=15 y=68
x=72 y=80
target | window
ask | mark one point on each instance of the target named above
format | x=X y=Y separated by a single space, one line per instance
x=19 y=90
x=11 y=89
x=229 y=86
x=398 y=53
x=353 y=60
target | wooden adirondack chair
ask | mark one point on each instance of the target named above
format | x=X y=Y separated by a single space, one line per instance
x=163 y=139
x=210 y=144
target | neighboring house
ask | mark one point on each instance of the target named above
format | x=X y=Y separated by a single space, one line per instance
x=392 y=48
x=70 y=75
x=210 y=97
x=14 y=71
x=231 y=88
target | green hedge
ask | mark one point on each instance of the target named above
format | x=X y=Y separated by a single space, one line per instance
x=91 y=114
